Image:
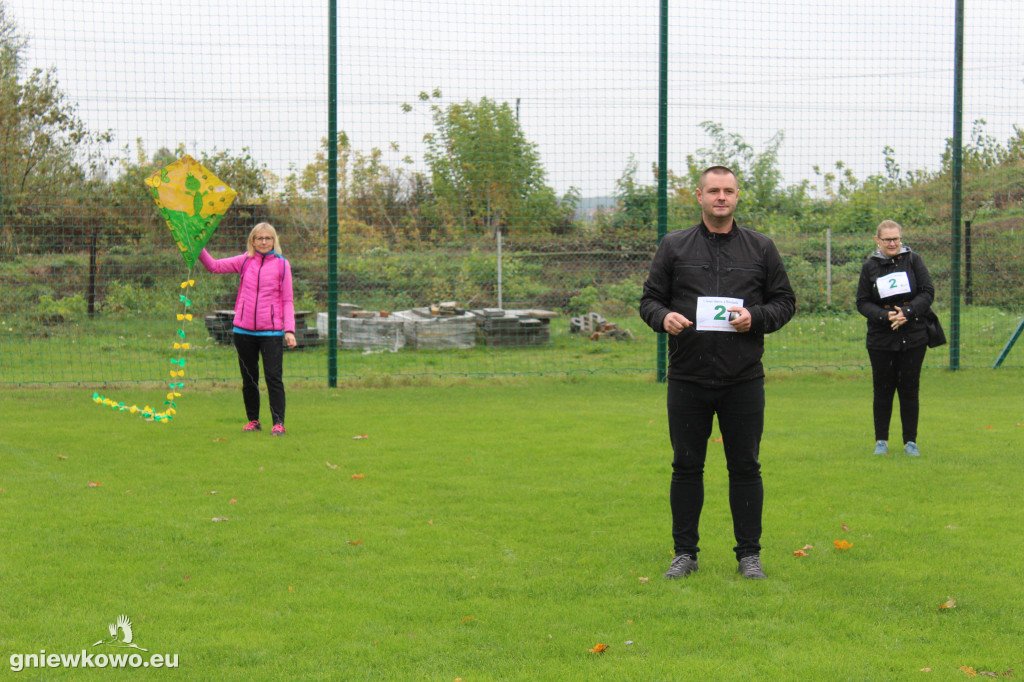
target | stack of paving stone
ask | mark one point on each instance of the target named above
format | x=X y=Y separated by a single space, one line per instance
x=514 y=327
x=360 y=329
x=437 y=327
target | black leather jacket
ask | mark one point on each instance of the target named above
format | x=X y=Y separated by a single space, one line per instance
x=740 y=264
x=870 y=304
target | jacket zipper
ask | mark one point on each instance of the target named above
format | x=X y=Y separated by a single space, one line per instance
x=256 y=299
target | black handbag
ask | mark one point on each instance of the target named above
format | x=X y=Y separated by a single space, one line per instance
x=936 y=336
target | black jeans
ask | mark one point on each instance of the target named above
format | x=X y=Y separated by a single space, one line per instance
x=740 y=410
x=250 y=347
x=892 y=372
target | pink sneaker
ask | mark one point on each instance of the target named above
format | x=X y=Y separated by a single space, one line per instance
x=252 y=426
x=278 y=430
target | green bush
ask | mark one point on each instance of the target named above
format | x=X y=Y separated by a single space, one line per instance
x=54 y=311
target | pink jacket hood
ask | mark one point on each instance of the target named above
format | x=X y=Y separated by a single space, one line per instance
x=264 y=301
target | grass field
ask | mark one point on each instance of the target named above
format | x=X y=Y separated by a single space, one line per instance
x=501 y=528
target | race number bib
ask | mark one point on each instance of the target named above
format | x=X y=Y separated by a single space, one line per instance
x=892 y=284
x=713 y=313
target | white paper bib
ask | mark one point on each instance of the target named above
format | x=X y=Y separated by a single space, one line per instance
x=892 y=284
x=713 y=315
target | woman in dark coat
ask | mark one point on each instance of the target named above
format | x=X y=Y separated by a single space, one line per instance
x=894 y=293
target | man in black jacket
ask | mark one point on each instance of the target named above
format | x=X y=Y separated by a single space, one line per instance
x=716 y=288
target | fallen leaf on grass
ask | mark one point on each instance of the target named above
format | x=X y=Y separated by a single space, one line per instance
x=360 y=436
x=926 y=670
x=219 y=518
x=800 y=552
x=845 y=527
x=358 y=475
x=62 y=456
x=188 y=577
x=217 y=440
x=842 y=544
x=94 y=484
x=331 y=466
x=968 y=670
x=232 y=500
x=644 y=580
x=948 y=604
x=716 y=440
x=353 y=542
x=467 y=619
x=211 y=492
x=599 y=648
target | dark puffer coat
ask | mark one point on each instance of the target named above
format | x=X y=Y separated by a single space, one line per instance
x=875 y=307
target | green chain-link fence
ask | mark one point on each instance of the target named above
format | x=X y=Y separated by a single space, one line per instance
x=497 y=179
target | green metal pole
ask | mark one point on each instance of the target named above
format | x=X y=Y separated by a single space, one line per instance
x=332 y=199
x=1009 y=345
x=663 y=162
x=957 y=172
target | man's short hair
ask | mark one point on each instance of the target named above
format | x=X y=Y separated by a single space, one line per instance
x=715 y=170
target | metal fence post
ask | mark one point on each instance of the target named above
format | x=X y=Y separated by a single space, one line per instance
x=663 y=163
x=957 y=173
x=332 y=198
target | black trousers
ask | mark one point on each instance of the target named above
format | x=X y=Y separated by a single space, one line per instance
x=250 y=347
x=893 y=372
x=740 y=410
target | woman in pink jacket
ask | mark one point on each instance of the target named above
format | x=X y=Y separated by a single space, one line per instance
x=264 y=319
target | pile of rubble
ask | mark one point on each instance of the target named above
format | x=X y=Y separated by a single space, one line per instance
x=597 y=328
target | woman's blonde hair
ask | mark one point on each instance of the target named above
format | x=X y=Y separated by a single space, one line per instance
x=251 y=242
x=886 y=225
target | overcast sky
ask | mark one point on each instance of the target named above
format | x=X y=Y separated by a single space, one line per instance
x=841 y=79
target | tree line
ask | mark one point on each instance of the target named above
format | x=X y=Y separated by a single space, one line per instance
x=59 y=191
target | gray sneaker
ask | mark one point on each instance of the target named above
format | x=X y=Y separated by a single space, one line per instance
x=750 y=567
x=881 y=448
x=682 y=566
x=911 y=449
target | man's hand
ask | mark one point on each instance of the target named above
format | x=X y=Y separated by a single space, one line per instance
x=741 y=323
x=675 y=323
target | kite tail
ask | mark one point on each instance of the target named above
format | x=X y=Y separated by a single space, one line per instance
x=177 y=371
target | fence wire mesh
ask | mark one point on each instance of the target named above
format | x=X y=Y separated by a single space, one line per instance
x=497 y=174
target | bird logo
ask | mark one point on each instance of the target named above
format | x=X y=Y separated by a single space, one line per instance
x=124 y=639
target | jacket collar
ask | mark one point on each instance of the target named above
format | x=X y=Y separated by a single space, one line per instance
x=878 y=255
x=719 y=236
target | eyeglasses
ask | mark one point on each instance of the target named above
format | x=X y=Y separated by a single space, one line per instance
x=890 y=240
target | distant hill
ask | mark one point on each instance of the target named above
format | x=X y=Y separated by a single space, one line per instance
x=588 y=205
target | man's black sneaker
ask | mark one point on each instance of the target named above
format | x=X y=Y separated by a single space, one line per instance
x=682 y=566
x=750 y=567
